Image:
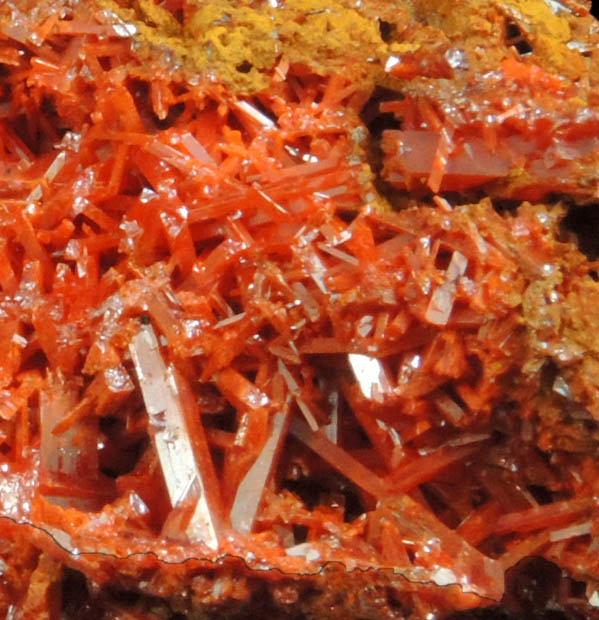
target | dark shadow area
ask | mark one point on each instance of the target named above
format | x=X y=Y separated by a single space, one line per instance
x=583 y=222
x=536 y=589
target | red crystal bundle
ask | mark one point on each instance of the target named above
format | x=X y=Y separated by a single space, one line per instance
x=522 y=145
x=226 y=365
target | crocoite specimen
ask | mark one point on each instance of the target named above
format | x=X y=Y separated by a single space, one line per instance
x=233 y=379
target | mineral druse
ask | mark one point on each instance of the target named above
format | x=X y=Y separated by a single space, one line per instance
x=290 y=320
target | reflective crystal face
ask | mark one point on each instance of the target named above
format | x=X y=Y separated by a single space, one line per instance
x=292 y=302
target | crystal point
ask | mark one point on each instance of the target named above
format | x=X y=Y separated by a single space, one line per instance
x=182 y=471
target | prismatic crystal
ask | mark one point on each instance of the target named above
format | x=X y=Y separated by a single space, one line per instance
x=293 y=316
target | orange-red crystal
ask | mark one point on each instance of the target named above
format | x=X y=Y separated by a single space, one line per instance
x=228 y=371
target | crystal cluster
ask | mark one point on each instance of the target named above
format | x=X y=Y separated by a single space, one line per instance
x=274 y=327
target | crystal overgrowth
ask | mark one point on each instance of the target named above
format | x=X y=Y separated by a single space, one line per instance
x=230 y=367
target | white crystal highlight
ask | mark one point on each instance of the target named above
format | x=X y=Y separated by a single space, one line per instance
x=184 y=480
x=249 y=493
x=370 y=374
x=441 y=303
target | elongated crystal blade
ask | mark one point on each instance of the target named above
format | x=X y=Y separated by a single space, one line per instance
x=57 y=453
x=340 y=459
x=184 y=478
x=68 y=458
x=250 y=491
x=441 y=303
